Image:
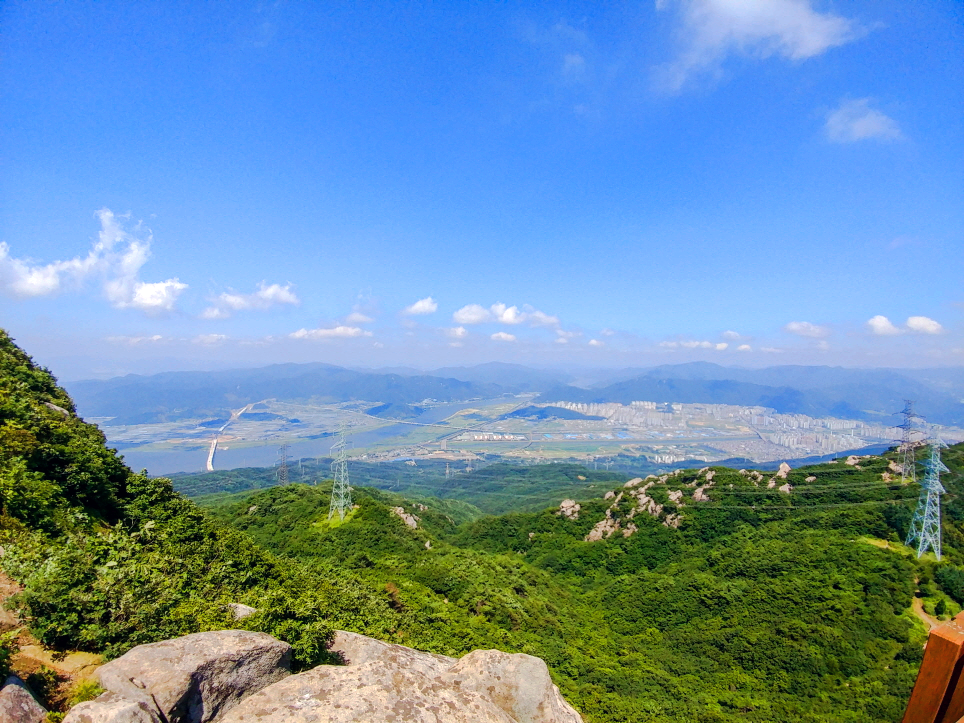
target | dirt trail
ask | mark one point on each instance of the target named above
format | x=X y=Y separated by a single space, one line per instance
x=929 y=621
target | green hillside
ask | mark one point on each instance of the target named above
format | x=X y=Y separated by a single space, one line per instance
x=710 y=595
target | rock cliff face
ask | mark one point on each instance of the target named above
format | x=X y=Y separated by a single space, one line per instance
x=241 y=677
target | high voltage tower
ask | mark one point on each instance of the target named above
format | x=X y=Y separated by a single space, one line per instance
x=283 y=468
x=925 y=528
x=341 y=490
x=908 y=444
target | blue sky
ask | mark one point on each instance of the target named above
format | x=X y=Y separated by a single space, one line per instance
x=750 y=182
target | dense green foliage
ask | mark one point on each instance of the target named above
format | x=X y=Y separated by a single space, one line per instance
x=730 y=601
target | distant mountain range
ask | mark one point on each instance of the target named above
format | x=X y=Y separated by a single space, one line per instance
x=870 y=394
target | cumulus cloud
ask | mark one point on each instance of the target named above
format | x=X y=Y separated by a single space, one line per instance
x=265 y=297
x=422 y=306
x=923 y=325
x=855 y=120
x=116 y=257
x=721 y=346
x=805 y=328
x=457 y=332
x=337 y=332
x=472 y=314
x=504 y=314
x=882 y=326
x=502 y=336
x=714 y=29
x=744 y=347
x=731 y=335
x=596 y=342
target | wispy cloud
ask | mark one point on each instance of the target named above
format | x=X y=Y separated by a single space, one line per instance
x=116 y=257
x=209 y=339
x=744 y=347
x=457 y=332
x=265 y=297
x=693 y=344
x=422 y=306
x=336 y=332
x=502 y=336
x=855 y=120
x=135 y=340
x=805 y=328
x=356 y=317
x=711 y=30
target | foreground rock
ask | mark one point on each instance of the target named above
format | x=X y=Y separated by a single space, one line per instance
x=192 y=679
x=17 y=705
x=385 y=682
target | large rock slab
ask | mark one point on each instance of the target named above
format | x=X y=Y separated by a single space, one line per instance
x=195 y=678
x=112 y=708
x=386 y=682
x=17 y=705
x=371 y=691
x=518 y=684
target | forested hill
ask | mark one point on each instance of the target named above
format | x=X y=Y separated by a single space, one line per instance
x=704 y=595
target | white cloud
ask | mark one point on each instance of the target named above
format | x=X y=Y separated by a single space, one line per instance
x=855 y=120
x=732 y=335
x=209 y=339
x=721 y=346
x=596 y=342
x=337 y=332
x=923 y=325
x=117 y=257
x=713 y=29
x=563 y=337
x=457 y=332
x=744 y=347
x=356 y=317
x=607 y=332
x=507 y=314
x=422 y=306
x=771 y=350
x=502 y=336
x=882 y=326
x=135 y=340
x=472 y=314
x=504 y=314
x=805 y=328
x=669 y=344
x=265 y=297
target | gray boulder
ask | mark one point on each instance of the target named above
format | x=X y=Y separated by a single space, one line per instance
x=17 y=705
x=195 y=678
x=386 y=682
x=112 y=708
x=519 y=684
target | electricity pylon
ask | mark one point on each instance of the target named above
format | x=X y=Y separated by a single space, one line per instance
x=908 y=445
x=283 y=469
x=925 y=528
x=341 y=489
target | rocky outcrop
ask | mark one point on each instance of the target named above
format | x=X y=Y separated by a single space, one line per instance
x=410 y=520
x=236 y=676
x=192 y=679
x=17 y=705
x=385 y=682
x=569 y=509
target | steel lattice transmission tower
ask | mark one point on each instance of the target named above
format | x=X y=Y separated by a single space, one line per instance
x=925 y=528
x=283 y=467
x=341 y=489
x=908 y=444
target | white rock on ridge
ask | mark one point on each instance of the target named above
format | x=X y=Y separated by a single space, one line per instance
x=569 y=509
x=783 y=471
x=192 y=679
x=386 y=682
x=410 y=520
x=17 y=704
